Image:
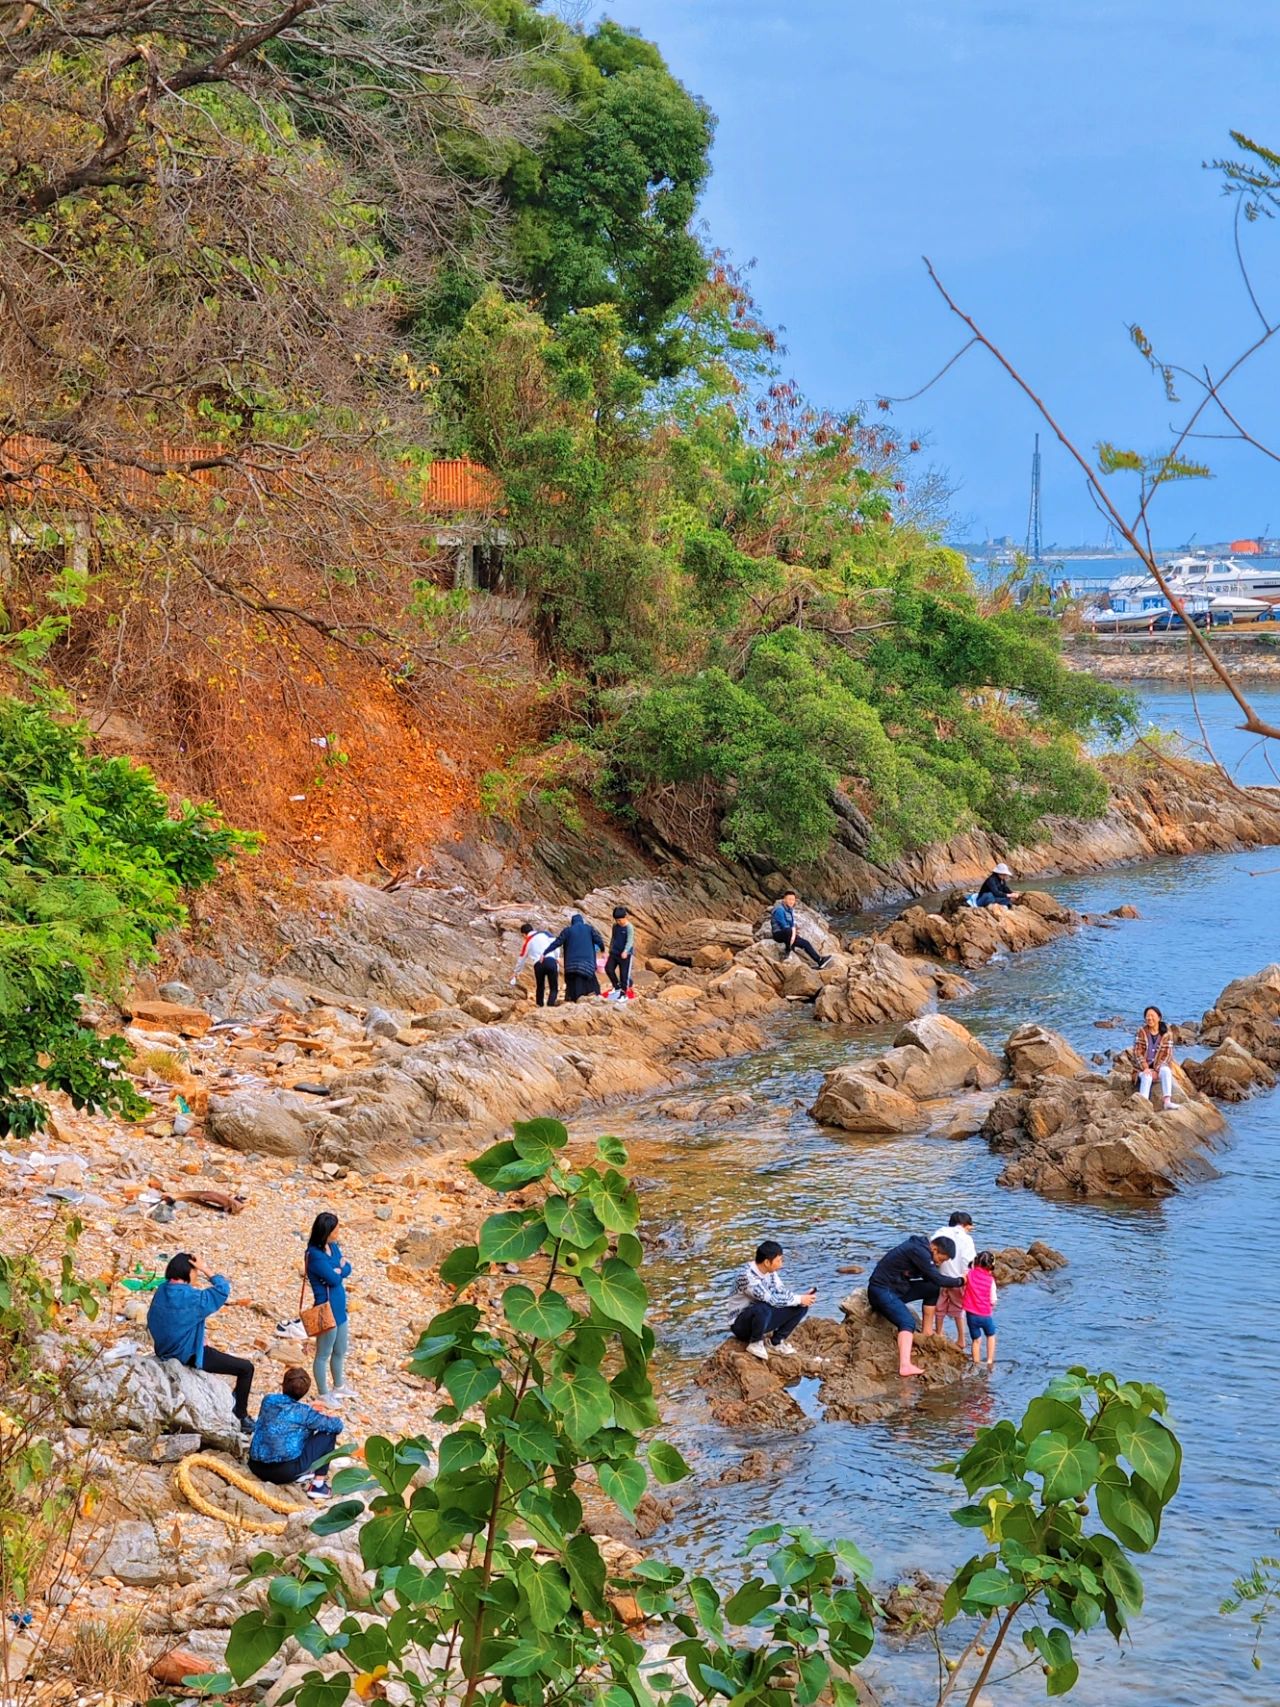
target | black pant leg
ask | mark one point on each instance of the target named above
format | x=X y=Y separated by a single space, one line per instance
x=786 y=1320
x=552 y=972
x=809 y=949
x=280 y=1474
x=783 y=941
x=752 y=1323
x=624 y=972
x=611 y=967
x=222 y=1363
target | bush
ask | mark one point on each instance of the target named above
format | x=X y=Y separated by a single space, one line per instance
x=92 y=865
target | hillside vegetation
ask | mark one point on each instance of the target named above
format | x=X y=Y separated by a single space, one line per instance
x=264 y=267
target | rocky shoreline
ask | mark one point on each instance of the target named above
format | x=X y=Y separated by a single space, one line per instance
x=1143 y=660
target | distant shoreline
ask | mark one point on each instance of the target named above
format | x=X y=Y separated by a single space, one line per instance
x=1168 y=658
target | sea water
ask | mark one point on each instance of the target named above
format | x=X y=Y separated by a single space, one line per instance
x=1179 y=1292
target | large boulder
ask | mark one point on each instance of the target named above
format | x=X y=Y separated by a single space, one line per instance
x=874 y=985
x=1088 y=1137
x=971 y=936
x=932 y=1057
x=1033 y=1052
x=1013 y=1265
x=149 y=1396
x=254 y=1119
x=743 y=1392
x=792 y=977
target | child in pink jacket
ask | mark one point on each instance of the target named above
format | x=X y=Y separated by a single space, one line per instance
x=980 y=1305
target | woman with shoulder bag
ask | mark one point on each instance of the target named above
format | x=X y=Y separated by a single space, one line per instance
x=327 y=1272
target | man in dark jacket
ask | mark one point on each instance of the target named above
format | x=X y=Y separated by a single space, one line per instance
x=782 y=924
x=906 y=1273
x=995 y=891
x=176 y=1321
x=581 y=943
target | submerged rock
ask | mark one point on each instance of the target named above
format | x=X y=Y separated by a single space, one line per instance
x=1014 y=1265
x=932 y=1057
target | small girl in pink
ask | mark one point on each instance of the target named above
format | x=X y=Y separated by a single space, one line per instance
x=980 y=1305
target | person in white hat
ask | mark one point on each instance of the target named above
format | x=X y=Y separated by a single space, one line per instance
x=995 y=891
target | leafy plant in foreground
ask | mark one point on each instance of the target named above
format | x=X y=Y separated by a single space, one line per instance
x=489 y=1588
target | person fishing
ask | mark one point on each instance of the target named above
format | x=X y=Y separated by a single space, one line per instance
x=1153 y=1055
x=995 y=891
x=581 y=943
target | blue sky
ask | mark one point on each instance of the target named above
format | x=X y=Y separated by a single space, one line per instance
x=1047 y=157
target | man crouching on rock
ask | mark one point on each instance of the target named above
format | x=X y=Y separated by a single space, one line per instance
x=773 y=1313
x=907 y=1273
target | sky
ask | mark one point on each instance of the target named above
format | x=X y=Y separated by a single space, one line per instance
x=1047 y=157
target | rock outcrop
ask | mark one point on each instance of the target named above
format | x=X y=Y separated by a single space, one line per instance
x=1014 y=1265
x=1243 y=1023
x=150 y=1397
x=970 y=936
x=1231 y=1073
x=874 y=985
x=1092 y=1137
x=855 y=1361
x=1033 y=1052
x=932 y=1057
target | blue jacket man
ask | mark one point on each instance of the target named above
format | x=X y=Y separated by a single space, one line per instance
x=176 y=1322
x=782 y=925
x=581 y=943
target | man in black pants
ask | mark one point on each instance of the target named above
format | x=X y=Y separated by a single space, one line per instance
x=783 y=923
x=772 y=1313
x=176 y=1321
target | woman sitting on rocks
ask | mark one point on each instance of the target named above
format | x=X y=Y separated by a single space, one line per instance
x=289 y=1436
x=1153 y=1055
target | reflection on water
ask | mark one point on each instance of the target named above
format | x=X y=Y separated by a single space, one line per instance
x=1175 y=1293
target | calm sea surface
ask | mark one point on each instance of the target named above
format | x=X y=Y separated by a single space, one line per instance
x=1177 y=1293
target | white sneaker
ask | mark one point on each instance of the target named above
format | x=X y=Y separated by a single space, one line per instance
x=780 y=1348
x=759 y=1349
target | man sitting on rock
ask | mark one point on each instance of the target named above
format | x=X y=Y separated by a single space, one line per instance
x=995 y=891
x=176 y=1321
x=774 y=1312
x=782 y=925
x=909 y=1273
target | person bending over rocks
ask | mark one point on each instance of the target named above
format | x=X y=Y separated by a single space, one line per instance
x=290 y=1436
x=546 y=967
x=1153 y=1056
x=907 y=1274
x=581 y=943
x=782 y=923
x=960 y=1231
x=773 y=1312
x=176 y=1322
x=995 y=891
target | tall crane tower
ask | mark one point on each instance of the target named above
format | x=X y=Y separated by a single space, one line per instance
x=1034 y=540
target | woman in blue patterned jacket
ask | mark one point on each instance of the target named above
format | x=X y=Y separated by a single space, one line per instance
x=289 y=1436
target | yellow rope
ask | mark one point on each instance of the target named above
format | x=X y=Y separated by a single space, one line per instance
x=237 y=1478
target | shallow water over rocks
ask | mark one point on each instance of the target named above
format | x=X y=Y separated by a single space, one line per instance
x=1177 y=1292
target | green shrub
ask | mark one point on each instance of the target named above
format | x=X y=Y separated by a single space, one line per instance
x=92 y=865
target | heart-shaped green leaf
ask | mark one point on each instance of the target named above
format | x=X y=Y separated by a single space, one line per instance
x=541 y=1315
x=1068 y=1468
x=513 y=1236
x=617 y=1292
x=624 y=1482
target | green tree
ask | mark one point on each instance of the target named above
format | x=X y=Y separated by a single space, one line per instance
x=92 y=865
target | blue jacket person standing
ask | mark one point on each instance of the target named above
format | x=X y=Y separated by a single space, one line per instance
x=327 y=1270
x=581 y=943
x=176 y=1322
